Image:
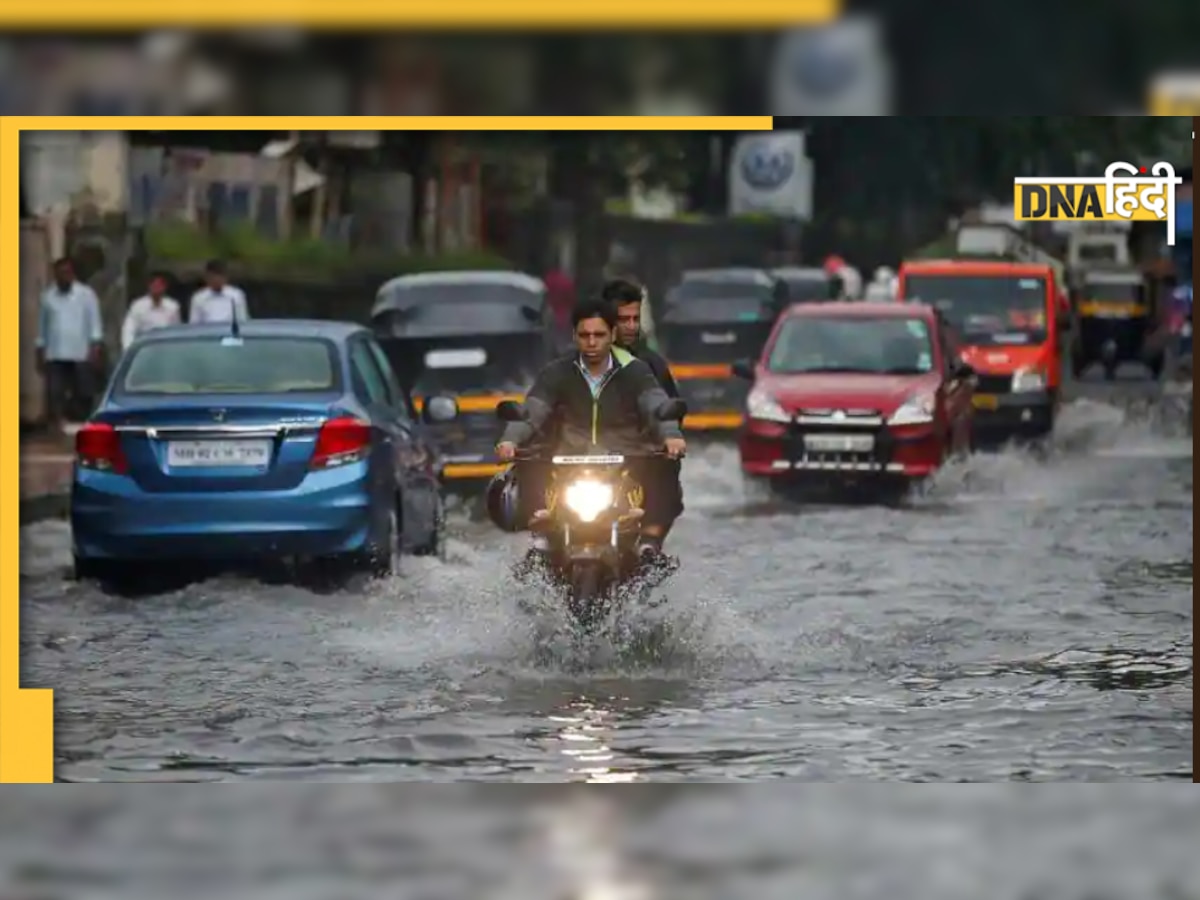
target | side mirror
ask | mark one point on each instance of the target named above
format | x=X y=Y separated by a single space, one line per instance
x=510 y=411
x=963 y=370
x=439 y=408
x=672 y=410
x=743 y=368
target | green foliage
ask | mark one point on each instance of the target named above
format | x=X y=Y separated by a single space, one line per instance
x=242 y=247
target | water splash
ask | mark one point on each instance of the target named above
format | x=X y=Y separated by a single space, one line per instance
x=1070 y=466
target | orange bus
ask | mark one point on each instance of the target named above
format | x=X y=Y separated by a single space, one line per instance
x=1008 y=318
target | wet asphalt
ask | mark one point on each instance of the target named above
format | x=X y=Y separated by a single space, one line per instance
x=1028 y=619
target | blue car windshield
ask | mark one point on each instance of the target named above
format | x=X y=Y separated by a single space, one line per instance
x=253 y=365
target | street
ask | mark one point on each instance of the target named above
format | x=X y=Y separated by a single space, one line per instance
x=1029 y=619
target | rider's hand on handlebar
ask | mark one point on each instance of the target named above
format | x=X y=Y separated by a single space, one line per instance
x=506 y=451
x=675 y=447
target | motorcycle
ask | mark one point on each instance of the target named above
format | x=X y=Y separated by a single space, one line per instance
x=592 y=521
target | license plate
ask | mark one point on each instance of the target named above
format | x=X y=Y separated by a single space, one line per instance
x=218 y=454
x=840 y=443
x=986 y=401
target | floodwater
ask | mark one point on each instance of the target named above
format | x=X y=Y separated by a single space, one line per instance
x=1028 y=619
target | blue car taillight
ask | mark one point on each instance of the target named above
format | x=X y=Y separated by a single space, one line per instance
x=98 y=447
x=341 y=441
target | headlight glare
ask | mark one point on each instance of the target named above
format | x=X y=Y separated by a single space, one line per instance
x=761 y=405
x=587 y=499
x=916 y=410
x=1027 y=380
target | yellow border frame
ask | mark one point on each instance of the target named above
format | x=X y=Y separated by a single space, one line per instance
x=677 y=15
x=26 y=715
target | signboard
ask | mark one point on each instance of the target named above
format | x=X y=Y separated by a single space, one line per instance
x=842 y=68
x=772 y=174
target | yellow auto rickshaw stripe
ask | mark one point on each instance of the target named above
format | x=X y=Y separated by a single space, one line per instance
x=476 y=404
x=685 y=372
x=472 y=470
x=715 y=421
x=1098 y=308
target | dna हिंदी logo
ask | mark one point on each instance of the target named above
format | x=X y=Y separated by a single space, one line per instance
x=1126 y=193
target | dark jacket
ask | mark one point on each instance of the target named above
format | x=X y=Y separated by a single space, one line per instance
x=658 y=365
x=619 y=420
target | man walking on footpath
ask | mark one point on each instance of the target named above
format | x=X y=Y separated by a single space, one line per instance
x=154 y=310
x=218 y=301
x=70 y=341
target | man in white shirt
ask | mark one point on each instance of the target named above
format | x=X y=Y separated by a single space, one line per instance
x=70 y=341
x=155 y=310
x=219 y=301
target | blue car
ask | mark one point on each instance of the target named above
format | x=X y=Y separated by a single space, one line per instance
x=275 y=439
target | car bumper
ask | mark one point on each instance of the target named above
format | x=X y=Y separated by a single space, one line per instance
x=906 y=453
x=112 y=518
x=1008 y=416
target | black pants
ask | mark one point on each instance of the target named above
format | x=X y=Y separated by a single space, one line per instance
x=658 y=476
x=68 y=390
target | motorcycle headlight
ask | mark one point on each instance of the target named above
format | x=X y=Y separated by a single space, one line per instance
x=587 y=499
x=916 y=410
x=761 y=405
x=1027 y=380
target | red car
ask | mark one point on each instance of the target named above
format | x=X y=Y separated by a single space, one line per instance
x=856 y=395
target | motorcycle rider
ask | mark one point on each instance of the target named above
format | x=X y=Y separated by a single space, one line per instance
x=599 y=398
x=627 y=298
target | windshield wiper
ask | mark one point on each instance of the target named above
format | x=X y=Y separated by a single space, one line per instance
x=904 y=370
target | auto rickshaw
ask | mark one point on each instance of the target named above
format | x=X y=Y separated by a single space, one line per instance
x=481 y=337
x=712 y=319
x=807 y=284
x=1114 y=319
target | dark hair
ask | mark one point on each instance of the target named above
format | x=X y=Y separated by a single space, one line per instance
x=594 y=309
x=214 y=267
x=621 y=291
x=159 y=273
x=62 y=261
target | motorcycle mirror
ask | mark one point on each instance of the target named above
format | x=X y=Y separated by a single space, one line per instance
x=510 y=411
x=963 y=370
x=439 y=408
x=672 y=410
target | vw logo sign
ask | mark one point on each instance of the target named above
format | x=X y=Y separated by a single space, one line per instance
x=766 y=166
x=825 y=64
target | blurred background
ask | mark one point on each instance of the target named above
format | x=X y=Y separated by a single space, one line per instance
x=312 y=222
x=1100 y=58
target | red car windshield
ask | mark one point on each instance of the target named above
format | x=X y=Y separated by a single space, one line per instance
x=881 y=346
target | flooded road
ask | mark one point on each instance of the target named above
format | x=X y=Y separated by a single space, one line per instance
x=1029 y=619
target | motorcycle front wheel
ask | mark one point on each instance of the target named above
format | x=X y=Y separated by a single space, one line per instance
x=587 y=590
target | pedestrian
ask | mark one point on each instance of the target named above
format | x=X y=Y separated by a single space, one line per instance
x=154 y=310
x=70 y=344
x=218 y=300
x=560 y=297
